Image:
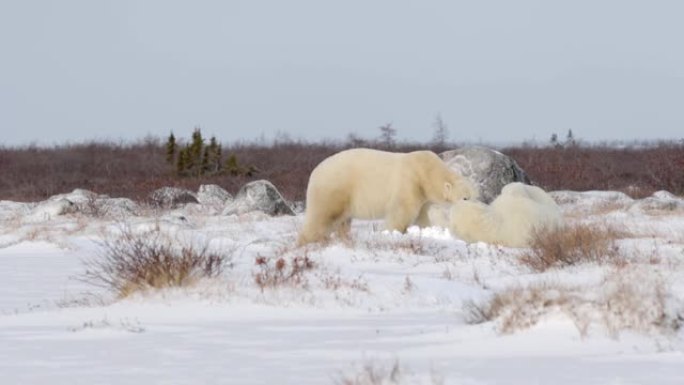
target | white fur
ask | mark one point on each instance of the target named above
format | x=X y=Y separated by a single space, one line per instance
x=372 y=184
x=509 y=220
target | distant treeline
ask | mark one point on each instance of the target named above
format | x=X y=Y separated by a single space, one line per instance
x=133 y=170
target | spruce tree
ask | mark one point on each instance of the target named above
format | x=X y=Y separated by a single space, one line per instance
x=214 y=159
x=171 y=149
x=182 y=164
x=195 y=152
x=232 y=166
x=204 y=167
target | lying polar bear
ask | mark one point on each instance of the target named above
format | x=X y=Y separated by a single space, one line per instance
x=509 y=220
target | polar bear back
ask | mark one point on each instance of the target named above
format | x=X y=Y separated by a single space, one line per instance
x=360 y=178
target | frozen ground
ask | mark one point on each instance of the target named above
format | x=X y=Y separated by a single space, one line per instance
x=381 y=302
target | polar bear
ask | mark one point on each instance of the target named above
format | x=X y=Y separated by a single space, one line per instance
x=509 y=220
x=371 y=184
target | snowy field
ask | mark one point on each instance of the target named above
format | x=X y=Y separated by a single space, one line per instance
x=383 y=308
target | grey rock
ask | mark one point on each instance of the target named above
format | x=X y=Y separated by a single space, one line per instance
x=114 y=207
x=172 y=197
x=590 y=198
x=51 y=208
x=259 y=195
x=489 y=169
x=298 y=207
x=659 y=201
x=213 y=195
x=10 y=209
x=77 y=196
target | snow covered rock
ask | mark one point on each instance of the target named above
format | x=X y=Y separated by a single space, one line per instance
x=51 y=208
x=10 y=209
x=115 y=207
x=490 y=170
x=172 y=197
x=298 y=207
x=659 y=201
x=213 y=195
x=97 y=205
x=259 y=195
x=590 y=198
x=78 y=196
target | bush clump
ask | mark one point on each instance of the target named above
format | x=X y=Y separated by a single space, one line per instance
x=133 y=262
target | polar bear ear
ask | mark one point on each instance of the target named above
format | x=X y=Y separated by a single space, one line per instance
x=447 y=191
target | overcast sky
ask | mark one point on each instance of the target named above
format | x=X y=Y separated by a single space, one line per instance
x=496 y=71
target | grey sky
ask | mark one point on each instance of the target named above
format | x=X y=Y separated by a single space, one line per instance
x=496 y=71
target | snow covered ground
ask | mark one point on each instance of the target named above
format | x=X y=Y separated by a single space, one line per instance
x=384 y=308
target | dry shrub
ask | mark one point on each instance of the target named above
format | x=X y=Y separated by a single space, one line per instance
x=335 y=282
x=132 y=262
x=519 y=308
x=637 y=299
x=277 y=272
x=572 y=245
x=631 y=298
x=374 y=374
x=34 y=173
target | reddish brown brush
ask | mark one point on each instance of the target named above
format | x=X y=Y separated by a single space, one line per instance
x=134 y=170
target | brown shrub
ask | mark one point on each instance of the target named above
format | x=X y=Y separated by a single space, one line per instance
x=279 y=272
x=134 y=262
x=133 y=170
x=374 y=374
x=571 y=245
x=629 y=298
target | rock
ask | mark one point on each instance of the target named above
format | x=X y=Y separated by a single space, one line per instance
x=51 y=208
x=172 y=197
x=213 y=195
x=78 y=196
x=659 y=201
x=578 y=203
x=259 y=195
x=10 y=209
x=490 y=170
x=114 y=207
x=298 y=207
x=590 y=198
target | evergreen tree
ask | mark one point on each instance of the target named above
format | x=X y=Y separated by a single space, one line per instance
x=171 y=149
x=182 y=164
x=204 y=167
x=232 y=166
x=218 y=157
x=195 y=152
x=570 y=139
x=554 y=140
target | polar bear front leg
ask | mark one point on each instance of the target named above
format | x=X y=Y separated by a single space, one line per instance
x=400 y=217
x=423 y=218
x=343 y=229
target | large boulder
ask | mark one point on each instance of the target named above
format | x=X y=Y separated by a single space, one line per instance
x=172 y=197
x=660 y=201
x=213 y=195
x=259 y=195
x=113 y=207
x=489 y=169
x=52 y=208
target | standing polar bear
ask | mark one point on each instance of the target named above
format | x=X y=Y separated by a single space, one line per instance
x=370 y=184
x=509 y=220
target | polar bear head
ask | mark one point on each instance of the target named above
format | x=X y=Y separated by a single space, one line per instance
x=471 y=221
x=439 y=183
